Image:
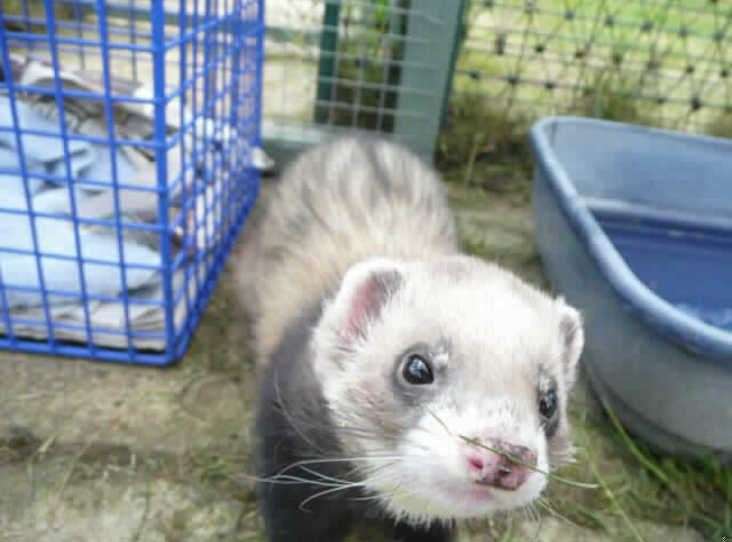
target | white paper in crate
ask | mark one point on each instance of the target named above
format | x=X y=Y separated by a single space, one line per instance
x=57 y=238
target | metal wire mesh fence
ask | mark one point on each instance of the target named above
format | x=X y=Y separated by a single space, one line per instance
x=377 y=65
x=126 y=136
x=383 y=64
x=658 y=62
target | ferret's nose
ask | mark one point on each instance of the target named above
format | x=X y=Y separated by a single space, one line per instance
x=506 y=468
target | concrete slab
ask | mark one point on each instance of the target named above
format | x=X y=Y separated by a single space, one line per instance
x=93 y=452
x=556 y=530
x=63 y=500
x=74 y=402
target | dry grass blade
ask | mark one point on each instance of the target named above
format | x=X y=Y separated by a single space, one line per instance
x=614 y=500
x=552 y=511
x=514 y=459
x=631 y=446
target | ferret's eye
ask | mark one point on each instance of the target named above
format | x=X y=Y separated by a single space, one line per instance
x=417 y=370
x=548 y=404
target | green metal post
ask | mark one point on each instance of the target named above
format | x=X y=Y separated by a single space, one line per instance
x=456 y=48
x=427 y=68
x=327 y=61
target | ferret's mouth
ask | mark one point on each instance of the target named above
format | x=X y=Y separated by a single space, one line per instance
x=470 y=499
x=455 y=499
x=473 y=493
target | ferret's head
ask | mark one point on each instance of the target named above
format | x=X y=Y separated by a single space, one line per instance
x=447 y=382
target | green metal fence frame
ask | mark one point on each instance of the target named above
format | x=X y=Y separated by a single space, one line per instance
x=422 y=126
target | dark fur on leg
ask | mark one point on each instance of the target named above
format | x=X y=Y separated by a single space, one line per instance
x=437 y=532
x=293 y=426
x=286 y=522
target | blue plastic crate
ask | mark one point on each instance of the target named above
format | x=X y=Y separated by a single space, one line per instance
x=126 y=137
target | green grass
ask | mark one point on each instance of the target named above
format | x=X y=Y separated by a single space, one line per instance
x=720 y=126
x=641 y=486
x=644 y=62
x=482 y=147
x=611 y=97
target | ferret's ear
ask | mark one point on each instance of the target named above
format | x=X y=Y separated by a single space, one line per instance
x=573 y=338
x=364 y=292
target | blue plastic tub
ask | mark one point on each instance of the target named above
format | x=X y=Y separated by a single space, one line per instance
x=634 y=226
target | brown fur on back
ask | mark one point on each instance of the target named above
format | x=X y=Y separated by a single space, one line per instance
x=335 y=205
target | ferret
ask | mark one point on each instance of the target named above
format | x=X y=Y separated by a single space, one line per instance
x=401 y=381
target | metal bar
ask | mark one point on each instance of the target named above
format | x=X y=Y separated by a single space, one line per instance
x=421 y=131
x=70 y=181
x=50 y=344
x=110 y=129
x=327 y=63
x=458 y=43
x=161 y=166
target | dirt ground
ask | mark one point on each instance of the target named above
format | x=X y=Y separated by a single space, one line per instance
x=95 y=452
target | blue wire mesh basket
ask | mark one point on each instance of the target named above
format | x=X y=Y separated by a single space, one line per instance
x=127 y=132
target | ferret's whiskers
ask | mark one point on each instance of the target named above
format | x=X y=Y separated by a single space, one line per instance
x=337 y=488
x=371 y=479
x=529 y=512
x=284 y=480
x=350 y=426
x=323 y=480
x=397 y=491
x=298 y=424
x=325 y=476
x=537 y=515
x=311 y=498
x=546 y=506
x=365 y=498
x=369 y=470
x=290 y=419
x=540 y=520
x=352 y=459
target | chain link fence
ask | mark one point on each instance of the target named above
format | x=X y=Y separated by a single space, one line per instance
x=663 y=63
x=659 y=63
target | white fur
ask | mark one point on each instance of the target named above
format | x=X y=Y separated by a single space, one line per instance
x=500 y=330
x=328 y=213
x=429 y=444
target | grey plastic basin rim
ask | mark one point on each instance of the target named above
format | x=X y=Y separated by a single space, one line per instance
x=689 y=332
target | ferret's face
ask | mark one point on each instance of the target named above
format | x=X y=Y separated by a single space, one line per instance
x=448 y=383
